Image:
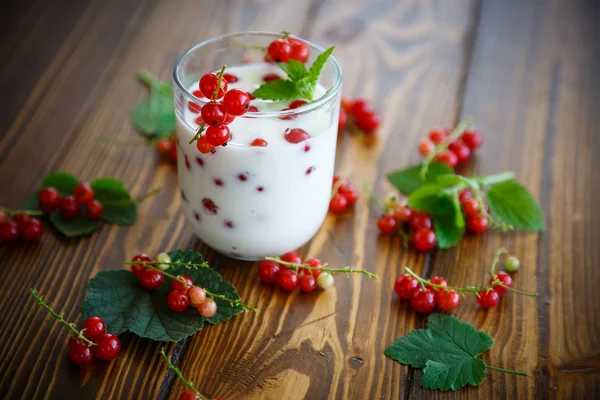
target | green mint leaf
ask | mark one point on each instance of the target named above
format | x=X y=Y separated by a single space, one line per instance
x=447 y=350
x=78 y=226
x=118 y=298
x=514 y=205
x=156 y=116
x=277 y=90
x=61 y=181
x=318 y=64
x=118 y=207
x=295 y=70
x=408 y=180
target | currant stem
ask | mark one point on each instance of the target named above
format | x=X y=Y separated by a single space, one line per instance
x=146 y=196
x=374 y=199
x=456 y=132
x=234 y=302
x=500 y=252
x=60 y=317
x=506 y=371
x=28 y=212
x=146 y=77
x=345 y=270
x=198 y=133
x=491 y=180
x=188 y=265
x=180 y=375
x=220 y=75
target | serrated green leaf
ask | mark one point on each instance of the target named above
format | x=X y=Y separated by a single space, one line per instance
x=447 y=350
x=296 y=70
x=426 y=197
x=61 y=181
x=408 y=180
x=118 y=207
x=278 y=89
x=78 y=226
x=118 y=298
x=514 y=205
x=448 y=221
x=449 y=180
x=156 y=116
x=315 y=69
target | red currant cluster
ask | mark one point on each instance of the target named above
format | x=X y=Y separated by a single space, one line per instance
x=105 y=346
x=286 y=49
x=169 y=147
x=344 y=195
x=477 y=222
x=69 y=206
x=395 y=214
x=218 y=114
x=19 y=225
x=289 y=276
x=183 y=292
x=453 y=153
x=362 y=114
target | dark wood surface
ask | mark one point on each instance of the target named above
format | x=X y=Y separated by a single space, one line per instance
x=527 y=71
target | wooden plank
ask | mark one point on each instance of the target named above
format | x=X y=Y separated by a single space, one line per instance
x=419 y=47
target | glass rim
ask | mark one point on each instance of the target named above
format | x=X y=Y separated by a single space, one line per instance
x=329 y=94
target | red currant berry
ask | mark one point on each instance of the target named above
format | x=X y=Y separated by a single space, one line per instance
x=299 y=51
x=504 y=279
x=3 y=217
x=194 y=107
x=387 y=224
x=349 y=193
x=472 y=139
x=138 y=268
x=208 y=86
x=360 y=107
x=107 y=347
x=208 y=308
x=173 y=154
x=437 y=136
x=346 y=104
x=420 y=220
x=49 y=199
x=236 y=102
x=279 y=51
x=197 y=296
x=307 y=283
x=259 y=143
x=253 y=109
x=403 y=213
x=342 y=120
x=213 y=113
x=437 y=280
x=287 y=279
x=163 y=146
x=94 y=210
x=9 y=232
x=406 y=286
x=296 y=135
x=83 y=193
x=462 y=152
x=296 y=104
x=203 y=146
x=477 y=223
x=189 y=395
x=31 y=230
x=292 y=257
x=94 y=327
x=79 y=352
x=368 y=122
x=68 y=207
x=338 y=204
x=20 y=219
x=178 y=301
x=447 y=157
x=426 y=146
x=179 y=286
x=151 y=279
x=268 y=270
x=488 y=298
x=465 y=195
x=198 y=94
x=424 y=240
x=230 y=78
x=447 y=300
x=270 y=77
x=470 y=207
x=423 y=301
x=217 y=135
x=315 y=263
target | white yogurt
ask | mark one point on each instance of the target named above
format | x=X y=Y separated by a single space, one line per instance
x=250 y=202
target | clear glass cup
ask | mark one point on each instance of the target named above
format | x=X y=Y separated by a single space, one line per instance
x=250 y=202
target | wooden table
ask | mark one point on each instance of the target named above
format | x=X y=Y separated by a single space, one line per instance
x=527 y=71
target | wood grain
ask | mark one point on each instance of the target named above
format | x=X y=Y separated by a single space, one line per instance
x=526 y=72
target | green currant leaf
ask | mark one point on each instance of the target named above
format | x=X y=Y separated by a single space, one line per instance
x=448 y=221
x=447 y=350
x=118 y=298
x=277 y=90
x=61 y=181
x=408 y=180
x=118 y=207
x=514 y=205
x=78 y=226
x=155 y=117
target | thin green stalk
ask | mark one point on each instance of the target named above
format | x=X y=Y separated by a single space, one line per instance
x=345 y=270
x=507 y=371
x=188 y=265
x=151 y=193
x=198 y=133
x=187 y=383
x=8 y=211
